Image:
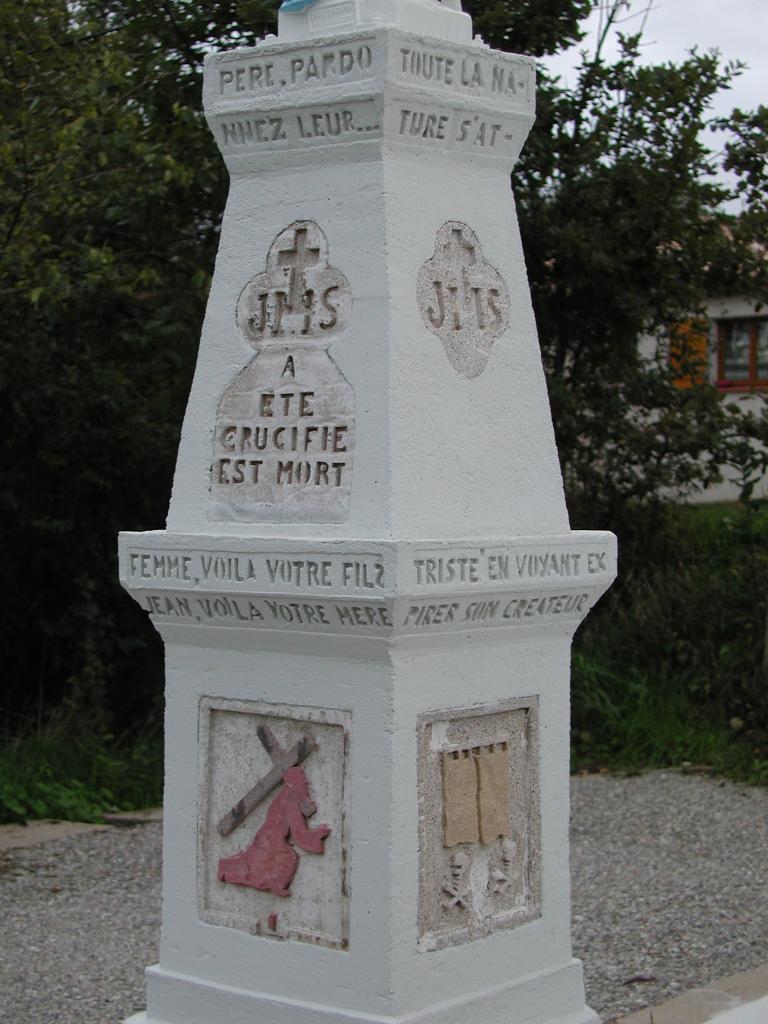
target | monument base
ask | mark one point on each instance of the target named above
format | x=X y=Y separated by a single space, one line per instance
x=547 y=997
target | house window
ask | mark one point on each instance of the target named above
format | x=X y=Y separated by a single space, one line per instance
x=742 y=354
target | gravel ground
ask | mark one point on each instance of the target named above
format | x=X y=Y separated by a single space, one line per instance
x=670 y=882
x=79 y=920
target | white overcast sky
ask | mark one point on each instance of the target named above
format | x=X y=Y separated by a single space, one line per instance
x=737 y=28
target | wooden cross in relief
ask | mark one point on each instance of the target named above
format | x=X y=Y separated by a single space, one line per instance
x=281 y=760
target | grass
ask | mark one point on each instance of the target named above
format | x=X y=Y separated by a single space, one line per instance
x=669 y=669
x=78 y=776
x=624 y=721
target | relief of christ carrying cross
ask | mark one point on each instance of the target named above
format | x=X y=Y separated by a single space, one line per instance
x=269 y=863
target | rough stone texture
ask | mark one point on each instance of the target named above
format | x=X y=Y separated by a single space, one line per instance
x=479 y=841
x=670 y=880
x=463 y=299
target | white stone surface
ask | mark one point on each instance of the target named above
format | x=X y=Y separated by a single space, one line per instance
x=440 y=591
x=755 y=1012
x=426 y=17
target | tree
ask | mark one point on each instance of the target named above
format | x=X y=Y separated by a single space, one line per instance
x=111 y=193
x=625 y=234
x=111 y=196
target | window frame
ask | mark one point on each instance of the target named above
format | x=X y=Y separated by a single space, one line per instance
x=753 y=382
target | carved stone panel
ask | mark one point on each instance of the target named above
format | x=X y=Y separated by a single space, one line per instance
x=285 y=431
x=479 y=827
x=463 y=299
x=272 y=858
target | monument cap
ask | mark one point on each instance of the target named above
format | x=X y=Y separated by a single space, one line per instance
x=440 y=19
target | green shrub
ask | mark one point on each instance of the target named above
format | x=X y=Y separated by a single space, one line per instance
x=669 y=667
x=78 y=775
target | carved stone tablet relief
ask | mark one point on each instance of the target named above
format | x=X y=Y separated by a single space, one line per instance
x=479 y=827
x=272 y=858
x=463 y=299
x=285 y=429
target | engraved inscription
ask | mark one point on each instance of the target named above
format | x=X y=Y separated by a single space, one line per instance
x=462 y=299
x=300 y=67
x=368 y=618
x=478 y=132
x=422 y=124
x=468 y=569
x=456 y=129
x=498 y=611
x=298 y=296
x=275 y=571
x=267 y=613
x=329 y=64
x=264 y=867
x=329 y=123
x=482 y=567
x=479 y=828
x=493 y=76
x=284 y=436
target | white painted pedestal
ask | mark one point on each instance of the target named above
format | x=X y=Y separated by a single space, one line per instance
x=368 y=552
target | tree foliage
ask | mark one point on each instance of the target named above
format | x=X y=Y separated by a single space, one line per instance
x=111 y=193
x=626 y=233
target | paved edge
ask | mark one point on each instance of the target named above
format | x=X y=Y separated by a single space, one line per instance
x=755 y=1012
x=16 y=837
x=702 y=1005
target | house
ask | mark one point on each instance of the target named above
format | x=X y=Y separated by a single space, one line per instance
x=728 y=345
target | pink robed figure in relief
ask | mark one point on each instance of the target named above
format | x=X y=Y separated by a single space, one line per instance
x=270 y=862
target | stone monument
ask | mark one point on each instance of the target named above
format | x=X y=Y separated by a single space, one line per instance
x=367 y=587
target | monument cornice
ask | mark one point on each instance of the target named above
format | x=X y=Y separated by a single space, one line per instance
x=367 y=587
x=366 y=88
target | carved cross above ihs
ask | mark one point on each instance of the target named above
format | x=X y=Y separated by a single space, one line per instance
x=460 y=248
x=299 y=294
x=297 y=260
